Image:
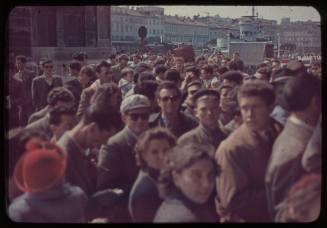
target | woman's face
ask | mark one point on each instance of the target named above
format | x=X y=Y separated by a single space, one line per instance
x=197 y=181
x=156 y=154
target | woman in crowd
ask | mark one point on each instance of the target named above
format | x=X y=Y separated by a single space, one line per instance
x=188 y=186
x=152 y=155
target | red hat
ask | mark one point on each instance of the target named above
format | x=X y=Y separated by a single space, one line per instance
x=40 y=168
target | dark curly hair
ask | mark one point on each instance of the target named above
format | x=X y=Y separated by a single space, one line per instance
x=144 y=140
x=184 y=156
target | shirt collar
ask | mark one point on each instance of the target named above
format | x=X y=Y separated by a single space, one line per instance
x=301 y=123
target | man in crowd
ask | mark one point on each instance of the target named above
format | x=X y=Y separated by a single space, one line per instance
x=302 y=96
x=244 y=156
x=80 y=58
x=43 y=84
x=117 y=164
x=104 y=75
x=116 y=70
x=59 y=96
x=207 y=111
x=169 y=99
x=25 y=77
x=61 y=119
x=239 y=63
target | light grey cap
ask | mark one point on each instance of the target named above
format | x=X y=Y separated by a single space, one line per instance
x=134 y=101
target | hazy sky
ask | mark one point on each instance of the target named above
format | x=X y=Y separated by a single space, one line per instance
x=295 y=13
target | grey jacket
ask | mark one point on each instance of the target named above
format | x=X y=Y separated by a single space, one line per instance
x=284 y=167
x=62 y=204
x=79 y=170
x=116 y=163
x=41 y=125
x=38 y=115
x=201 y=135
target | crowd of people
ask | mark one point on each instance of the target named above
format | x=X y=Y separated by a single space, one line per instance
x=163 y=138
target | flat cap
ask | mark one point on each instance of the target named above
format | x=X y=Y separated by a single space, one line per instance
x=206 y=94
x=134 y=101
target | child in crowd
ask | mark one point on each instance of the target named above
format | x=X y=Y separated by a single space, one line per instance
x=126 y=82
x=40 y=173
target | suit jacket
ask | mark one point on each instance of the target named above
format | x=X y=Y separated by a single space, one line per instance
x=183 y=124
x=84 y=102
x=117 y=164
x=41 y=89
x=243 y=158
x=78 y=165
x=284 y=167
x=26 y=79
x=144 y=198
x=42 y=125
x=200 y=135
x=38 y=115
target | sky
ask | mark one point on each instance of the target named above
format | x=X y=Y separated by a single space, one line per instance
x=295 y=13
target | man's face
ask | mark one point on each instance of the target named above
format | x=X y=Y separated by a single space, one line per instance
x=105 y=74
x=20 y=65
x=201 y=63
x=136 y=60
x=179 y=64
x=206 y=75
x=123 y=62
x=137 y=119
x=191 y=75
x=190 y=91
x=235 y=56
x=47 y=68
x=255 y=112
x=67 y=122
x=225 y=99
x=169 y=101
x=207 y=111
x=224 y=63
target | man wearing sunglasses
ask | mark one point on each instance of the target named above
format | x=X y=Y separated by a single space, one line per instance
x=169 y=100
x=117 y=164
x=43 y=84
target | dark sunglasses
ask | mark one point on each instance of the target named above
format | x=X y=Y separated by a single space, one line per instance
x=172 y=98
x=143 y=116
x=49 y=66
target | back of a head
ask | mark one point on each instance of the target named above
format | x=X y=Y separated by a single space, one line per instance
x=75 y=66
x=146 y=75
x=233 y=76
x=106 y=117
x=103 y=63
x=59 y=94
x=104 y=92
x=257 y=88
x=57 y=112
x=160 y=69
x=193 y=69
x=299 y=91
x=147 y=88
x=172 y=75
